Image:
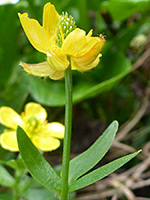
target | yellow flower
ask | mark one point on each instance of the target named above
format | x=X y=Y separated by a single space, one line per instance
x=33 y=120
x=62 y=42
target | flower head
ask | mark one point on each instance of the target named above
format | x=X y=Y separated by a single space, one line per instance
x=62 y=42
x=33 y=120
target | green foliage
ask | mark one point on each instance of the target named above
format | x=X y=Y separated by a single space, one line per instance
x=5 y=178
x=6 y=196
x=40 y=194
x=30 y=190
x=16 y=91
x=44 y=173
x=8 y=48
x=122 y=9
x=101 y=172
x=80 y=164
x=36 y=164
x=14 y=164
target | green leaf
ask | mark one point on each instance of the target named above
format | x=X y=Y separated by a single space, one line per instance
x=122 y=9
x=6 y=196
x=89 y=158
x=27 y=183
x=16 y=91
x=40 y=194
x=8 y=45
x=122 y=40
x=45 y=91
x=14 y=164
x=101 y=172
x=4 y=154
x=39 y=168
x=5 y=178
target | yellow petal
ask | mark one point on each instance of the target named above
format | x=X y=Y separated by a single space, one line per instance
x=45 y=143
x=90 y=33
x=35 y=110
x=74 y=42
x=9 y=117
x=8 y=140
x=57 y=61
x=54 y=129
x=93 y=43
x=77 y=43
x=36 y=34
x=80 y=67
x=50 y=19
x=57 y=75
x=88 y=60
x=43 y=70
x=40 y=69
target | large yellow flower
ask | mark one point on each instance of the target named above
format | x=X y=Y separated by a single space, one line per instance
x=62 y=42
x=33 y=120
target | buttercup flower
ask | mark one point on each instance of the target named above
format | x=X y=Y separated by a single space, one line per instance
x=33 y=120
x=62 y=42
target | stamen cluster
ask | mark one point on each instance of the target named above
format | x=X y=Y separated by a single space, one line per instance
x=32 y=124
x=65 y=26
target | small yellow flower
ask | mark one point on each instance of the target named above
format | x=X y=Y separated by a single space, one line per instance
x=62 y=42
x=33 y=120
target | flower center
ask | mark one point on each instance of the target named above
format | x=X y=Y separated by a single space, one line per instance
x=65 y=26
x=32 y=124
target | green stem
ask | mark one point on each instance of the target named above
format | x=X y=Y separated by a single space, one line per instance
x=68 y=130
x=19 y=175
x=16 y=195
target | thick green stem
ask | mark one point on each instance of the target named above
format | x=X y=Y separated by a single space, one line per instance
x=68 y=130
